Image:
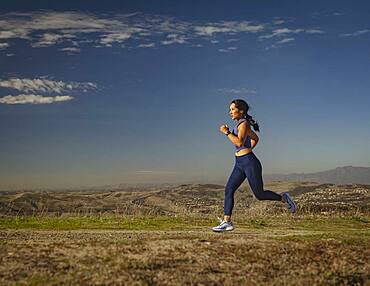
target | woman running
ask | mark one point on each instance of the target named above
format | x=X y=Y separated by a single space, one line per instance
x=247 y=165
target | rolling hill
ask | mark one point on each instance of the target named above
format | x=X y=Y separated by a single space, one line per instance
x=339 y=175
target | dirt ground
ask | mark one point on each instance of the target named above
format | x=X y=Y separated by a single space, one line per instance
x=163 y=237
x=191 y=257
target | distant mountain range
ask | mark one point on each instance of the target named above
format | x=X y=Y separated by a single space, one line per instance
x=339 y=175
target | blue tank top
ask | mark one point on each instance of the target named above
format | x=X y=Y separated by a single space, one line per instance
x=247 y=142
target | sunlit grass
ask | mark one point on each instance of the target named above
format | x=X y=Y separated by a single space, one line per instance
x=292 y=222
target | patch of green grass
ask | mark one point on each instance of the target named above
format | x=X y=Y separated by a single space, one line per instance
x=302 y=222
x=348 y=239
x=360 y=218
x=102 y=222
x=37 y=279
x=325 y=238
x=333 y=224
x=258 y=222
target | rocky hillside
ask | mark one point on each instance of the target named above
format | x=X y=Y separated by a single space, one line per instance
x=187 y=199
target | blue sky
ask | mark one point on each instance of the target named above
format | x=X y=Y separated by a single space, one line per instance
x=111 y=92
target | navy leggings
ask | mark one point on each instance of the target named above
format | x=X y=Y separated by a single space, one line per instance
x=246 y=166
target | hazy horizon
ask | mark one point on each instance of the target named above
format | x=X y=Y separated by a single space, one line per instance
x=111 y=93
x=268 y=178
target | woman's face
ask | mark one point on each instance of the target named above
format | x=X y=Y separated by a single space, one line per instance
x=235 y=113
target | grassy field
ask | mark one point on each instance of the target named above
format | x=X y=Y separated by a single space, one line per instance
x=111 y=250
x=325 y=243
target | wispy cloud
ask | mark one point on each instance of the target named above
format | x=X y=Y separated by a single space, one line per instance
x=49 y=39
x=278 y=21
x=70 y=31
x=174 y=39
x=232 y=40
x=238 y=91
x=31 y=87
x=33 y=99
x=71 y=49
x=150 y=45
x=284 y=31
x=286 y=40
x=48 y=28
x=280 y=32
x=44 y=85
x=280 y=43
x=355 y=34
x=282 y=36
x=317 y=14
x=228 y=27
x=3 y=46
x=228 y=49
x=117 y=37
x=314 y=31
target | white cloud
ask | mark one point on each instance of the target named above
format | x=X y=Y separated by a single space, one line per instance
x=228 y=27
x=41 y=85
x=209 y=30
x=325 y=14
x=70 y=49
x=232 y=40
x=13 y=34
x=3 y=46
x=49 y=39
x=223 y=50
x=278 y=22
x=55 y=27
x=280 y=43
x=48 y=28
x=355 y=34
x=281 y=32
x=33 y=99
x=284 y=32
x=150 y=45
x=228 y=49
x=241 y=90
x=174 y=39
x=314 y=31
x=119 y=37
x=286 y=40
x=44 y=85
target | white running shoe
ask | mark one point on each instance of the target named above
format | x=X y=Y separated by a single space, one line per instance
x=223 y=226
x=290 y=203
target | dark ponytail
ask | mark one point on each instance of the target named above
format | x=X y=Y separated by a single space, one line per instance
x=242 y=105
x=252 y=122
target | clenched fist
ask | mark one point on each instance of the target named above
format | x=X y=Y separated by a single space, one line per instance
x=224 y=128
